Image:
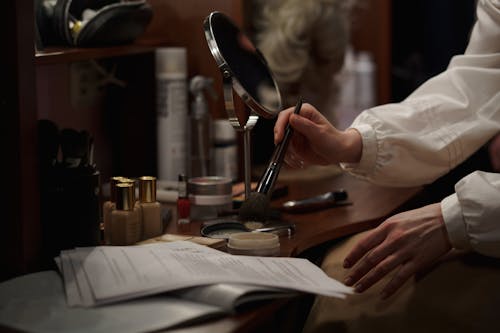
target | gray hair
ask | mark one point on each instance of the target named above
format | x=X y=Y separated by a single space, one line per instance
x=304 y=42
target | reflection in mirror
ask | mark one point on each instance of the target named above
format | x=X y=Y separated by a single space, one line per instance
x=303 y=43
x=234 y=52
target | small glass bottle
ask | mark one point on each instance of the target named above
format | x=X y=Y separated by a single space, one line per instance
x=183 y=205
x=150 y=208
x=108 y=207
x=125 y=218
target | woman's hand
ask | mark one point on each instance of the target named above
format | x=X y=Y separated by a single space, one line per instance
x=315 y=140
x=407 y=242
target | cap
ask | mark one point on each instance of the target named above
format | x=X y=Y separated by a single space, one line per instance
x=125 y=196
x=223 y=131
x=171 y=60
x=112 y=187
x=147 y=189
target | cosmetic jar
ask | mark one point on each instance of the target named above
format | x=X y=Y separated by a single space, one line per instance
x=209 y=196
x=254 y=244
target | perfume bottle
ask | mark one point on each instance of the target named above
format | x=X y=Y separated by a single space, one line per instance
x=183 y=205
x=125 y=218
x=149 y=207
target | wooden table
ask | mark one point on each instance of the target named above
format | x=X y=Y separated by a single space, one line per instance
x=371 y=204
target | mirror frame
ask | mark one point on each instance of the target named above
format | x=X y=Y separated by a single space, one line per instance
x=230 y=81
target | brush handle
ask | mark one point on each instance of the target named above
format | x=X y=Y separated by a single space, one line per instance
x=322 y=201
x=268 y=179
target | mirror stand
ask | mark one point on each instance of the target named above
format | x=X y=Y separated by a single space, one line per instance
x=239 y=127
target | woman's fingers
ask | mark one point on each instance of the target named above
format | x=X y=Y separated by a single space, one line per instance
x=406 y=270
x=375 y=264
x=376 y=273
x=373 y=239
x=280 y=125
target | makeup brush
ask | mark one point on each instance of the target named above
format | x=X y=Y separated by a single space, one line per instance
x=256 y=206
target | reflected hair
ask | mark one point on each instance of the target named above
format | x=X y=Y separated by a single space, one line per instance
x=304 y=42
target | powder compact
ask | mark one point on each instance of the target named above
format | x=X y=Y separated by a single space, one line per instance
x=224 y=228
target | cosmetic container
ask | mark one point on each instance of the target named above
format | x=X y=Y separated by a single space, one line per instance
x=183 y=204
x=225 y=150
x=365 y=81
x=346 y=109
x=150 y=208
x=209 y=196
x=108 y=207
x=254 y=244
x=125 y=218
x=172 y=112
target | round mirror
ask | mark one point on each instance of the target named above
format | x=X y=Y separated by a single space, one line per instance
x=241 y=63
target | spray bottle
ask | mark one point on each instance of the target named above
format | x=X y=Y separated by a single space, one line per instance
x=172 y=111
x=200 y=127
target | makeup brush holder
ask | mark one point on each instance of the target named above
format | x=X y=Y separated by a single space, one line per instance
x=70 y=208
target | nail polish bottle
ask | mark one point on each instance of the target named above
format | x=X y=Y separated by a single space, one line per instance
x=125 y=218
x=108 y=207
x=183 y=204
x=150 y=208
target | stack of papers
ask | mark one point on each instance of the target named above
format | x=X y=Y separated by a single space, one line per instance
x=201 y=283
x=106 y=274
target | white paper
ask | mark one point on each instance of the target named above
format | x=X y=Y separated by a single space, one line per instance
x=119 y=273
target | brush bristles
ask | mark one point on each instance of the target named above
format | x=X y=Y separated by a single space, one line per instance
x=255 y=208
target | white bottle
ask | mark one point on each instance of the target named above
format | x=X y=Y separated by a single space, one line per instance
x=365 y=81
x=225 y=152
x=172 y=111
x=346 y=108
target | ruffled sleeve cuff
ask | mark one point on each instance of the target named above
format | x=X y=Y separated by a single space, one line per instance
x=454 y=222
x=369 y=153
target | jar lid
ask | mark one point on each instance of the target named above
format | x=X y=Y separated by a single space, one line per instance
x=253 y=240
x=210 y=185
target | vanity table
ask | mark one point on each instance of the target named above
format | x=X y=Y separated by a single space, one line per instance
x=371 y=204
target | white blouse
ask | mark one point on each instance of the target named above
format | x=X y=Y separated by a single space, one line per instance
x=437 y=127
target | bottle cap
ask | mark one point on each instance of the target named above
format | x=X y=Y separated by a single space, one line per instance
x=364 y=62
x=223 y=131
x=182 y=186
x=125 y=196
x=147 y=189
x=171 y=60
x=112 y=187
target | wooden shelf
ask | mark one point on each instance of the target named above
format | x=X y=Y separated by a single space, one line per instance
x=57 y=55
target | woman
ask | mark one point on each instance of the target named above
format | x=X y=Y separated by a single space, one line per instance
x=415 y=142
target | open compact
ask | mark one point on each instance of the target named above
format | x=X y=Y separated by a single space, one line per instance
x=224 y=228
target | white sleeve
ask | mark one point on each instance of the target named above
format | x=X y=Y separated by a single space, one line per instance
x=472 y=214
x=444 y=121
